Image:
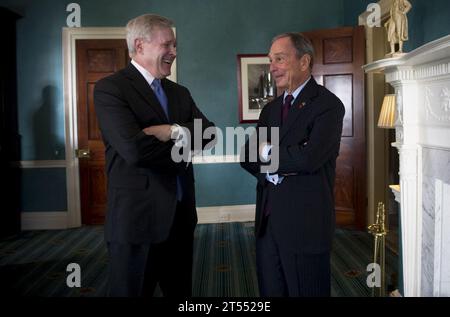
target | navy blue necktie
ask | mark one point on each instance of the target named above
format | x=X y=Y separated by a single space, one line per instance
x=160 y=94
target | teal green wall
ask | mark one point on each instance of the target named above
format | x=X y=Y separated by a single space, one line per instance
x=43 y=190
x=223 y=184
x=435 y=17
x=210 y=35
x=428 y=20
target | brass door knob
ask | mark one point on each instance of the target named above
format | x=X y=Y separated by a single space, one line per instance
x=83 y=153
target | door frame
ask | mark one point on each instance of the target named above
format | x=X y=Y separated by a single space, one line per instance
x=69 y=37
x=376 y=139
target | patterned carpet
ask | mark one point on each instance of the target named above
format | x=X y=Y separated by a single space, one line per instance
x=34 y=263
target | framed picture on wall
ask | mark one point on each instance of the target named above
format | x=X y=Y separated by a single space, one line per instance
x=256 y=86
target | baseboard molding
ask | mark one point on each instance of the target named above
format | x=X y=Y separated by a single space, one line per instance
x=217 y=214
x=215 y=159
x=44 y=220
x=39 y=164
x=221 y=214
x=196 y=160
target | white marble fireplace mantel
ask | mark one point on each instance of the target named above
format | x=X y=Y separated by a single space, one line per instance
x=421 y=80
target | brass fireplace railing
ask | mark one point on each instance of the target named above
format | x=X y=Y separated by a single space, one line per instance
x=378 y=229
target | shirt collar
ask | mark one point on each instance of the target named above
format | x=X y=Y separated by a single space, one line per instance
x=297 y=91
x=148 y=77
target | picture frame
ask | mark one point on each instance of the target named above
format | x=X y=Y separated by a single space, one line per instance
x=256 y=86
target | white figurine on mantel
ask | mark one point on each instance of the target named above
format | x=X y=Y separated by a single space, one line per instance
x=397 y=25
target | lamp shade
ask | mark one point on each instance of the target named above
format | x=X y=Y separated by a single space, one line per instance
x=387 y=115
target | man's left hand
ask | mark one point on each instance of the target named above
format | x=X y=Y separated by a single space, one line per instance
x=264 y=150
x=161 y=132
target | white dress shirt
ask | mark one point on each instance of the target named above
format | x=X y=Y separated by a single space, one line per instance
x=178 y=134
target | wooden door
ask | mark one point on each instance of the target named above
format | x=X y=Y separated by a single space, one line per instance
x=339 y=57
x=95 y=59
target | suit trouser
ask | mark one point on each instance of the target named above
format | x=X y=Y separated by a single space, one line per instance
x=135 y=270
x=282 y=272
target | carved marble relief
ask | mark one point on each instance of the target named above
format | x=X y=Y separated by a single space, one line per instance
x=437 y=104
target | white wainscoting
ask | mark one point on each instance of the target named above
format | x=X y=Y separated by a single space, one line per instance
x=40 y=164
x=220 y=214
x=44 y=220
x=72 y=218
x=216 y=214
x=197 y=160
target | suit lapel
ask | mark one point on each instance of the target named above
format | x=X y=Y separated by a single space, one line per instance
x=301 y=103
x=276 y=116
x=143 y=88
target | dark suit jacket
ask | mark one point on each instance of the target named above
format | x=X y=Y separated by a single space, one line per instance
x=302 y=206
x=141 y=174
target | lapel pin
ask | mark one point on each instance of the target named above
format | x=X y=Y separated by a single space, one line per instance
x=301 y=105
